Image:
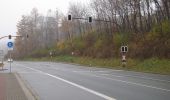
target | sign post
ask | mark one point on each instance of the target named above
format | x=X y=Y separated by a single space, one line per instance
x=124 y=50
x=51 y=54
x=10 y=46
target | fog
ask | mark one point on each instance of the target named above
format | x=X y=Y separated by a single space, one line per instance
x=12 y=10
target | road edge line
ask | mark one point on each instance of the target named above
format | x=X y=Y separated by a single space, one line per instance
x=75 y=84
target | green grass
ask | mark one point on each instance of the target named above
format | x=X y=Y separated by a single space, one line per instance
x=153 y=65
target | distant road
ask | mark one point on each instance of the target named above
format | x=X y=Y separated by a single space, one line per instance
x=58 y=81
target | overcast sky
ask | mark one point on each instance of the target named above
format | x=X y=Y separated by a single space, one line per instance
x=12 y=10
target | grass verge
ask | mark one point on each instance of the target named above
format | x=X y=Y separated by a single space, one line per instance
x=153 y=65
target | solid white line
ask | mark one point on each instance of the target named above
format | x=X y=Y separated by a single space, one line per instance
x=138 y=84
x=28 y=72
x=76 y=85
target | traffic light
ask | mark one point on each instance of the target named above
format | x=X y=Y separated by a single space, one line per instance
x=90 y=19
x=9 y=36
x=69 y=17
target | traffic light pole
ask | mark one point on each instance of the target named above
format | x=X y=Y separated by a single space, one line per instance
x=70 y=18
x=90 y=19
x=3 y=37
x=11 y=36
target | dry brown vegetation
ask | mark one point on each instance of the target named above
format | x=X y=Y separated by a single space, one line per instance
x=143 y=25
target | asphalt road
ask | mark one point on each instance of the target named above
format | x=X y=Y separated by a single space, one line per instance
x=58 y=81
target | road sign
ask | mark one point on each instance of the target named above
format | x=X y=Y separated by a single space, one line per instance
x=10 y=44
x=124 y=48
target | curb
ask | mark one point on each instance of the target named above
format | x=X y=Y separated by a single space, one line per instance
x=27 y=89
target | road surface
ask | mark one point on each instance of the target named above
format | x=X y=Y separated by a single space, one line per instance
x=59 y=81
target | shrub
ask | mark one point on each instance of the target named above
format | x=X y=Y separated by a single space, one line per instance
x=155 y=43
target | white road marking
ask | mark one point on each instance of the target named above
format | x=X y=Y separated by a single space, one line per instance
x=111 y=75
x=127 y=82
x=100 y=71
x=154 y=79
x=105 y=73
x=29 y=72
x=87 y=71
x=76 y=85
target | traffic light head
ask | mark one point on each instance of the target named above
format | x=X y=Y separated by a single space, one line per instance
x=9 y=37
x=69 y=17
x=90 y=19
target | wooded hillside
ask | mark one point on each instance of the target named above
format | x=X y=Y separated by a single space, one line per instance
x=142 y=25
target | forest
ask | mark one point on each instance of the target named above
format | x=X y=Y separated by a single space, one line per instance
x=142 y=25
